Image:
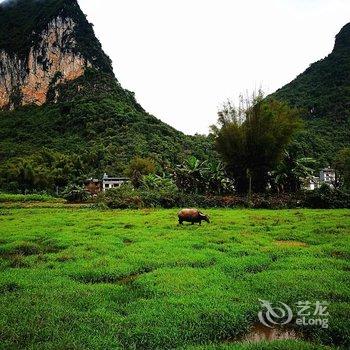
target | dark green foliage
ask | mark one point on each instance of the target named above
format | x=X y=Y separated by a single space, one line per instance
x=138 y=168
x=327 y=198
x=342 y=166
x=251 y=139
x=323 y=93
x=75 y=194
x=167 y=196
x=190 y=176
x=44 y=170
x=123 y=197
x=197 y=177
x=291 y=172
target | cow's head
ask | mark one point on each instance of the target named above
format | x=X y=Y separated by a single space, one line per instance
x=205 y=218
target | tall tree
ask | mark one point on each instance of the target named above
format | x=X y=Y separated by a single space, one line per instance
x=251 y=139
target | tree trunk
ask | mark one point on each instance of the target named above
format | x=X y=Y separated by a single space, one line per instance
x=249 y=196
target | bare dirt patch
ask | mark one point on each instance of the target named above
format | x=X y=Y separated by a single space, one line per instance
x=128 y=241
x=284 y=243
x=129 y=279
x=110 y=278
x=259 y=333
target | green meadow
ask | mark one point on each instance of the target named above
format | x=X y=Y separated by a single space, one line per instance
x=80 y=278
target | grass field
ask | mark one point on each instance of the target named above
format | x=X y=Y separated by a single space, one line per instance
x=86 y=279
x=21 y=198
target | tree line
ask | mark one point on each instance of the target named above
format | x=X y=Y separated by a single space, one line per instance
x=255 y=149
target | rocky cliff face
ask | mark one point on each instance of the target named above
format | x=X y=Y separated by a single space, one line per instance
x=52 y=60
x=44 y=44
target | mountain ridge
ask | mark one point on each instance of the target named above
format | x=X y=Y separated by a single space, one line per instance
x=90 y=121
x=322 y=92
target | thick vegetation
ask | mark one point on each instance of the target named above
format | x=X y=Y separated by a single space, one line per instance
x=13 y=198
x=99 y=130
x=251 y=140
x=167 y=195
x=85 y=279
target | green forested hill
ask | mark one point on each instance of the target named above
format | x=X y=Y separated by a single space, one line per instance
x=87 y=126
x=106 y=122
x=323 y=93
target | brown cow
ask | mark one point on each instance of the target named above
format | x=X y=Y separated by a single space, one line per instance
x=192 y=216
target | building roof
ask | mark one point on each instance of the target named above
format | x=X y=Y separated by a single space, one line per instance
x=92 y=180
x=114 y=178
x=312 y=179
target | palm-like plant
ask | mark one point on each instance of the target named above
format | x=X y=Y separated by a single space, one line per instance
x=292 y=172
x=156 y=182
x=194 y=176
x=217 y=180
x=190 y=176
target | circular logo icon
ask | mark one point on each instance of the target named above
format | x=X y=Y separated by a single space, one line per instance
x=272 y=315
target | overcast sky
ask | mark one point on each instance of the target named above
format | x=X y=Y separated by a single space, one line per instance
x=183 y=58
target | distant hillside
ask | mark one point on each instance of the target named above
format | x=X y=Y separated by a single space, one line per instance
x=60 y=99
x=323 y=92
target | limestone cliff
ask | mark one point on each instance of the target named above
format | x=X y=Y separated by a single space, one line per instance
x=51 y=61
x=54 y=54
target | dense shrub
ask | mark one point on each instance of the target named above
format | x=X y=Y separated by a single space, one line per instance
x=276 y=201
x=126 y=197
x=327 y=198
x=75 y=194
x=164 y=199
x=123 y=197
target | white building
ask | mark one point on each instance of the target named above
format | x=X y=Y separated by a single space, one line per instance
x=311 y=183
x=112 y=182
x=327 y=175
